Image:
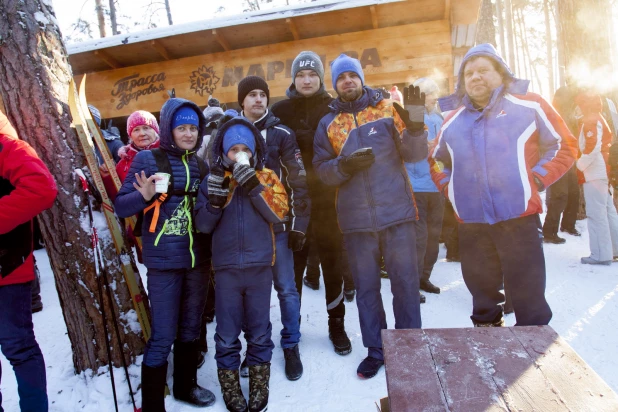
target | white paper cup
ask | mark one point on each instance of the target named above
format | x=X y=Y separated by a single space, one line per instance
x=242 y=158
x=161 y=184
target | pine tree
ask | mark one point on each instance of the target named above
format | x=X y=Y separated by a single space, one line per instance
x=34 y=87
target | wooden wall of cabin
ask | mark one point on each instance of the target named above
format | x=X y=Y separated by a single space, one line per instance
x=393 y=55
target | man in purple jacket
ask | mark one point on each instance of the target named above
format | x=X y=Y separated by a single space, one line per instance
x=498 y=148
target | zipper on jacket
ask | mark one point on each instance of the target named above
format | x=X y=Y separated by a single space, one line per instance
x=366 y=180
x=187 y=208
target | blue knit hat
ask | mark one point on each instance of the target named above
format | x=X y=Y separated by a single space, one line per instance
x=185 y=115
x=345 y=63
x=237 y=134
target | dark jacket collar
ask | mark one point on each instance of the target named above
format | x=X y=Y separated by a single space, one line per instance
x=370 y=97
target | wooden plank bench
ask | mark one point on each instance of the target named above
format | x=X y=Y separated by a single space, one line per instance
x=525 y=368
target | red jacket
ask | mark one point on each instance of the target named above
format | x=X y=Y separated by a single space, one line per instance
x=127 y=154
x=34 y=191
x=595 y=139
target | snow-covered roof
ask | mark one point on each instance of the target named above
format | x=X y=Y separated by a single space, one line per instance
x=227 y=21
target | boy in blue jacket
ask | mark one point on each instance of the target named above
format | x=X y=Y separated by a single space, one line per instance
x=238 y=204
x=176 y=256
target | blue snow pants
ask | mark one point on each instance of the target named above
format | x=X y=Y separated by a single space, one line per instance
x=20 y=347
x=509 y=251
x=177 y=299
x=397 y=244
x=243 y=299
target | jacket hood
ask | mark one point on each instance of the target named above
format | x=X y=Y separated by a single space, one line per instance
x=165 y=124
x=6 y=128
x=515 y=85
x=370 y=97
x=260 y=144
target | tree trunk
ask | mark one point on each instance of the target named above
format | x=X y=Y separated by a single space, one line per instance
x=112 y=17
x=500 y=26
x=169 y=12
x=528 y=57
x=486 y=30
x=550 y=52
x=585 y=28
x=100 y=17
x=34 y=87
x=508 y=17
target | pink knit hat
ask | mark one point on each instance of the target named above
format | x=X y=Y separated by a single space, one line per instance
x=140 y=118
x=396 y=95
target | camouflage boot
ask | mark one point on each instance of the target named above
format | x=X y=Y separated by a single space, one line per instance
x=259 y=376
x=230 y=389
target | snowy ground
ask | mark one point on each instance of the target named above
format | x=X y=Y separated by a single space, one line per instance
x=584 y=300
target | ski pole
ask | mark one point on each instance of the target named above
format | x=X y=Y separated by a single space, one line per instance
x=94 y=238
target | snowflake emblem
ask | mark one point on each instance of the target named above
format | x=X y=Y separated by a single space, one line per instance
x=204 y=80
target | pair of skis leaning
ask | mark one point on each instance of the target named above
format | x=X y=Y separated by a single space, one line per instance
x=83 y=123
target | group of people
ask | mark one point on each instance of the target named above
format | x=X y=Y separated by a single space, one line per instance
x=251 y=194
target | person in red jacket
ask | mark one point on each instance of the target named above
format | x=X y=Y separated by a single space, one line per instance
x=595 y=140
x=26 y=189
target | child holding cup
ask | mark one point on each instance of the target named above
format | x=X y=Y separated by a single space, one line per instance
x=176 y=256
x=238 y=204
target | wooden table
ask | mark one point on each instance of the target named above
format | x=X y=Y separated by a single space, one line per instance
x=525 y=368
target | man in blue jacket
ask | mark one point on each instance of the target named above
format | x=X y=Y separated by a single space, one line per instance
x=284 y=159
x=360 y=147
x=499 y=147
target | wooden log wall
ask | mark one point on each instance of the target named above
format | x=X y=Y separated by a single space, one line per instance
x=390 y=55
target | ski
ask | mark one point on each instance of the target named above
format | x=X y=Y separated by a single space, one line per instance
x=99 y=140
x=126 y=262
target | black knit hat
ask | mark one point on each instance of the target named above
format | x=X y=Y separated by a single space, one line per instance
x=250 y=83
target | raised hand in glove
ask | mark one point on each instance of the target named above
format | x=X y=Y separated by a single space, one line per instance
x=245 y=176
x=360 y=159
x=218 y=187
x=296 y=240
x=413 y=111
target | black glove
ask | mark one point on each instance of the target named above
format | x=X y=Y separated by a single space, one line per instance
x=218 y=187
x=245 y=176
x=539 y=185
x=359 y=160
x=414 y=113
x=296 y=240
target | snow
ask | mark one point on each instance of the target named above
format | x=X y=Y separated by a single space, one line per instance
x=584 y=300
x=221 y=22
x=40 y=17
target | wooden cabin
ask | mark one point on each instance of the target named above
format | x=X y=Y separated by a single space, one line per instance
x=397 y=41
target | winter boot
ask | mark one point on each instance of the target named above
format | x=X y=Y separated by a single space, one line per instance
x=349 y=294
x=153 y=388
x=553 y=238
x=259 y=376
x=244 y=369
x=336 y=333
x=429 y=287
x=230 y=389
x=293 y=365
x=312 y=284
x=186 y=388
x=498 y=322
x=590 y=261
x=369 y=367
